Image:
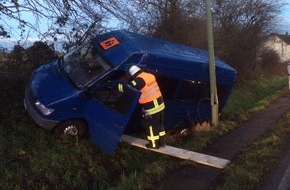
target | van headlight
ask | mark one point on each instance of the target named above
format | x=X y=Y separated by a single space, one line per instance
x=42 y=108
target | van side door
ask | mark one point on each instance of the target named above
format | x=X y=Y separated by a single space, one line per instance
x=108 y=112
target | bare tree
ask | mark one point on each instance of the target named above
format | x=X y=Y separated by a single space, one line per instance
x=180 y=22
x=240 y=26
x=72 y=21
x=10 y=10
x=175 y=20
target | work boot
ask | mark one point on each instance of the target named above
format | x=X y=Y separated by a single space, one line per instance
x=149 y=145
x=162 y=142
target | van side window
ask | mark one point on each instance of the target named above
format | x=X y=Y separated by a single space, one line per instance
x=167 y=86
x=117 y=101
x=116 y=75
x=194 y=91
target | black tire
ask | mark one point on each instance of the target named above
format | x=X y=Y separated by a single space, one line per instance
x=74 y=127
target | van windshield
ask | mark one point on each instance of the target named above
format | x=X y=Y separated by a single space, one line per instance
x=84 y=64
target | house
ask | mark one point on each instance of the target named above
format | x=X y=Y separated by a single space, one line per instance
x=280 y=43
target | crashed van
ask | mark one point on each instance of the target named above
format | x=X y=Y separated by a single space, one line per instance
x=76 y=94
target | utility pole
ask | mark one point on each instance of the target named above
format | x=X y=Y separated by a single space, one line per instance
x=212 y=75
x=288 y=69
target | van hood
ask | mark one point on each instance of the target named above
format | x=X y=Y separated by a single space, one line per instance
x=50 y=84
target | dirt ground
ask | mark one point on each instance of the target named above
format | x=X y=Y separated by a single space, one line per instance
x=201 y=177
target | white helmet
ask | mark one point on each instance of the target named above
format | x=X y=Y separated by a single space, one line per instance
x=133 y=70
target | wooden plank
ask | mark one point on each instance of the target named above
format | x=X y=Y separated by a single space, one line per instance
x=180 y=153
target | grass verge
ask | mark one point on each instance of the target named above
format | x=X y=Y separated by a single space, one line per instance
x=250 y=168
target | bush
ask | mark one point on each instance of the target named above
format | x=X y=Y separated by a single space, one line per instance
x=22 y=61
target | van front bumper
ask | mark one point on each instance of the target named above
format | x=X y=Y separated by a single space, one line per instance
x=29 y=101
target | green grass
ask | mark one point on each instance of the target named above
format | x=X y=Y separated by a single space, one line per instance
x=33 y=158
x=253 y=96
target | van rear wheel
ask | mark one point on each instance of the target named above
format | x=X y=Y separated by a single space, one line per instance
x=72 y=127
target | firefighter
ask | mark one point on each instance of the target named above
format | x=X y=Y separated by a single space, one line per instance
x=152 y=105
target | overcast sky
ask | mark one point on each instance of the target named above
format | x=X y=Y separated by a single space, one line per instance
x=283 y=27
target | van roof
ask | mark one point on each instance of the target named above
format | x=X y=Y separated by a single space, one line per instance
x=163 y=57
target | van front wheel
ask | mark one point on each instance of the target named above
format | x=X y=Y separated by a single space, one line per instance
x=72 y=127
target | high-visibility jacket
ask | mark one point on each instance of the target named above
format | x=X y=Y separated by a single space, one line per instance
x=151 y=97
x=151 y=89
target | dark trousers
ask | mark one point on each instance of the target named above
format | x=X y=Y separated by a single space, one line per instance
x=154 y=129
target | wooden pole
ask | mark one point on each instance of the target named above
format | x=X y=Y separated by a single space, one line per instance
x=212 y=74
x=288 y=69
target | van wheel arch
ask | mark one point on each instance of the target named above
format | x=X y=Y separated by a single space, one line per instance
x=73 y=127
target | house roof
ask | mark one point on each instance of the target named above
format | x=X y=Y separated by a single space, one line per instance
x=284 y=37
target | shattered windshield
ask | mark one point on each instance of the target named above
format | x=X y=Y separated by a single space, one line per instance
x=84 y=64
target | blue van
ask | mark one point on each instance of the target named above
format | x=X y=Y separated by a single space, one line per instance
x=76 y=94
